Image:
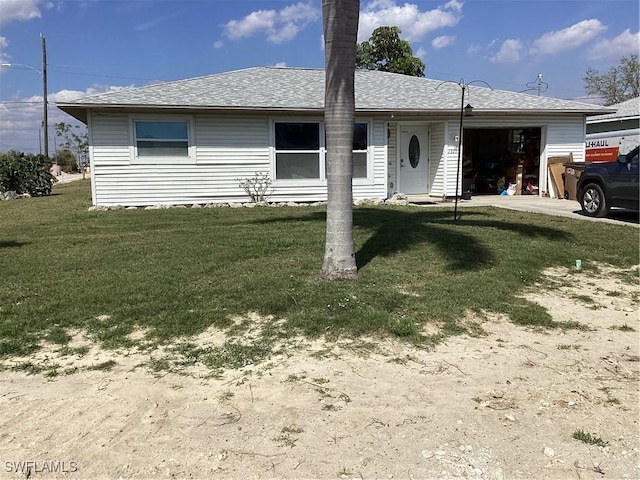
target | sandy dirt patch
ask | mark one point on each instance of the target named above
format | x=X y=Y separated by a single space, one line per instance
x=499 y=406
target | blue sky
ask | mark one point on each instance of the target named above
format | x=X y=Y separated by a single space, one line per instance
x=97 y=45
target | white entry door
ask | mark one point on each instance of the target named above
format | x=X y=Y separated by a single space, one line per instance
x=414 y=159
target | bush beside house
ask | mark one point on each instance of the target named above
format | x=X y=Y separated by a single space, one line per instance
x=25 y=174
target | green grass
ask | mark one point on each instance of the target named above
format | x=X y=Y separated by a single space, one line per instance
x=589 y=438
x=623 y=328
x=178 y=271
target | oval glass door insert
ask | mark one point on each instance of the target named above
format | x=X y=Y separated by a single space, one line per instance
x=414 y=151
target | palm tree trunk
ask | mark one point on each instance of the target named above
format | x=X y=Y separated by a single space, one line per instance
x=340 y=22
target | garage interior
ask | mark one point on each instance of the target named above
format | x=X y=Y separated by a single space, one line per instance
x=501 y=161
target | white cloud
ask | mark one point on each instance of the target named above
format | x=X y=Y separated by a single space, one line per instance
x=280 y=65
x=4 y=58
x=454 y=5
x=414 y=23
x=278 y=25
x=474 y=50
x=21 y=118
x=421 y=53
x=568 y=38
x=624 y=44
x=443 y=41
x=218 y=44
x=19 y=10
x=509 y=52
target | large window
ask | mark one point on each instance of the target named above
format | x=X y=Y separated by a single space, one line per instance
x=297 y=150
x=160 y=139
x=300 y=151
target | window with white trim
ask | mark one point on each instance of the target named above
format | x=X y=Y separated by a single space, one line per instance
x=300 y=151
x=161 y=139
x=297 y=150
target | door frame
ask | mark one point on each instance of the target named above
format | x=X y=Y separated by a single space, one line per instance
x=425 y=127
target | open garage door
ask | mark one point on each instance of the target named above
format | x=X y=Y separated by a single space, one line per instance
x=496 y=158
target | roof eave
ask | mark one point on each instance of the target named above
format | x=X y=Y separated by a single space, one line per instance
x=79 y=110
x=75 y=107
x=613 y=119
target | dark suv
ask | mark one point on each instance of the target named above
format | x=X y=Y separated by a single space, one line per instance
x=610 y=184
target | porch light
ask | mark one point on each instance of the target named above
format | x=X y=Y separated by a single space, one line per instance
x=468 y=110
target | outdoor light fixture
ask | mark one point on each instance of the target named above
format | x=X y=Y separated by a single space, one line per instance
x=465 y=111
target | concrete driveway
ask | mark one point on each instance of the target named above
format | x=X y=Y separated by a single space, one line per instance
x=531 y=203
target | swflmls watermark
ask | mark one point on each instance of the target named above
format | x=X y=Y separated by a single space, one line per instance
x=46 y=466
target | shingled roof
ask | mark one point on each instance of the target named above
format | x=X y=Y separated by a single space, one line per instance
x=302 y=90
x=623 y=111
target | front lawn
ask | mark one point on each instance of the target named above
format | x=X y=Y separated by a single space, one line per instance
x=175 y=272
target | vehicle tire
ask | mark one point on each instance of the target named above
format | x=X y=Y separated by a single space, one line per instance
x=592 y=201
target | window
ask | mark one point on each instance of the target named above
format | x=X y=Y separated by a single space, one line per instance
x=300 y=151
x=160 y=139
x=297 y=150
x=360 y=143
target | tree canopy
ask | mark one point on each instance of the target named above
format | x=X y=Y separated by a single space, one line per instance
x=620 y=83
x=76 y=143
x=386 y=51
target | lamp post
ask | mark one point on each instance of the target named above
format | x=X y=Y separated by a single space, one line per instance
x=45 y=109
x=465 y=111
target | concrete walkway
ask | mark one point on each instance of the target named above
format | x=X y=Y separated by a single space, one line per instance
x=70 y=177
x=531 y=203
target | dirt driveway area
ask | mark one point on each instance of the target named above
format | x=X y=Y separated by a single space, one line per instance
x=512 y=403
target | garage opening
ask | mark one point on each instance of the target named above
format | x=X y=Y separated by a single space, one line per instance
x=501 y=161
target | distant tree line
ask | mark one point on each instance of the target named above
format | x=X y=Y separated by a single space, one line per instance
x=620 y=83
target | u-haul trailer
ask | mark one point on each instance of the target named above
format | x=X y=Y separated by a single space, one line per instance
x=607 y=146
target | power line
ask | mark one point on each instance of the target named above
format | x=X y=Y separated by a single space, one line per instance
x=101 y=76
x=22 y=67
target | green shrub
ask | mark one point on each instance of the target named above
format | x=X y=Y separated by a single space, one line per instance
x=25 y=173
x=66 y=160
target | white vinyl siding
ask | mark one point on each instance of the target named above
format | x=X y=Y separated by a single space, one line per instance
x=437 y=156
x=232 y=147
x=392 y=160
x=227 y=148
x=376 y=185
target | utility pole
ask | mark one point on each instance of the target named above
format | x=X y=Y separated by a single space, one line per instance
x=45 y=120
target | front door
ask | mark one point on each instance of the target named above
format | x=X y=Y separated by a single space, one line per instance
x=414 y=159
